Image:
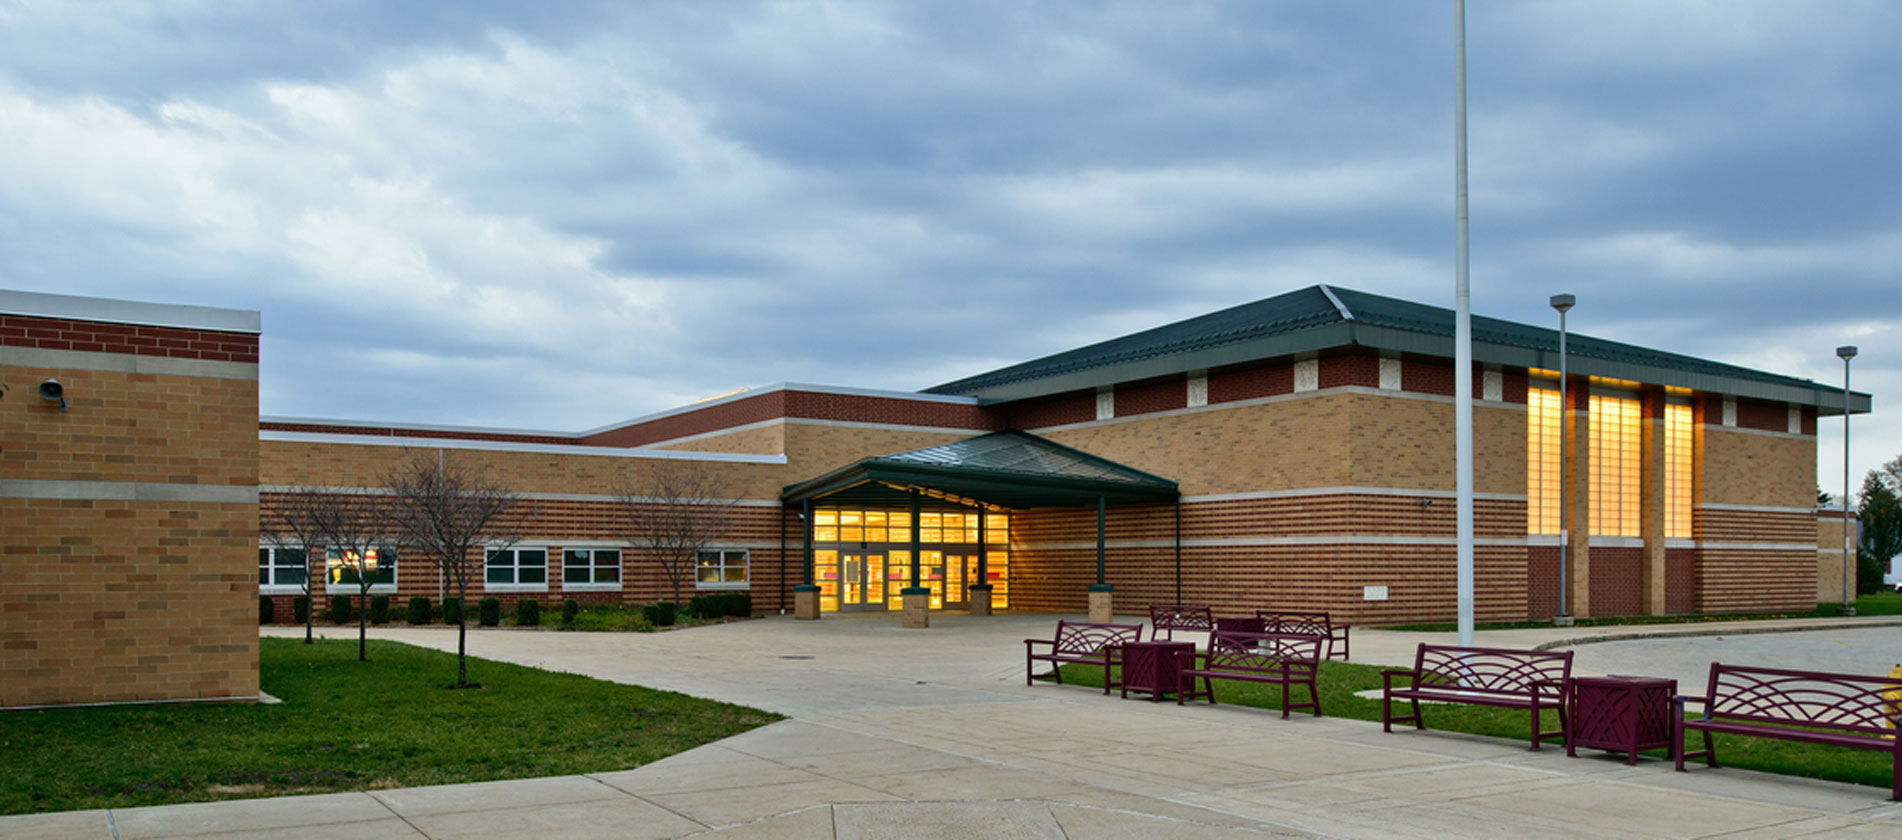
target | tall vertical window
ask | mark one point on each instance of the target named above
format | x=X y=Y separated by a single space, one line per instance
x=1615 y=463
x=1677 y=469
x=1542 y=461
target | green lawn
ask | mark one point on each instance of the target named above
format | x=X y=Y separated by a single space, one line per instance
x=1339 y=681
x=1882 y=602
x=349 y=725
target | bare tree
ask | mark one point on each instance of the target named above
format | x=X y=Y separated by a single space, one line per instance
x=296 y=522
x=444 y=511
x=360 y=536
x=675 y=511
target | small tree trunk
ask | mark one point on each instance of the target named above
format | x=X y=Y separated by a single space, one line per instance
x=309 y=597
x=363 y=622
x=462 y=635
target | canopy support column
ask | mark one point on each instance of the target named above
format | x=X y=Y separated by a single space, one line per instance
x=1100 y=610
x=806 y=595
x=978 y=593
x=917 y=599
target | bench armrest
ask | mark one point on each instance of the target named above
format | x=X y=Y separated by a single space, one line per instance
x=1029 y=642
x=1387 y=675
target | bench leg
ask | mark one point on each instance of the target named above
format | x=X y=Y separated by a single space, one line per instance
x=1535 y=727
x=1895 y=778
x=1284 y=699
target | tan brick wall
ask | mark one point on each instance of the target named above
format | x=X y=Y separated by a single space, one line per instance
x=766 y=440
x=1829 y=557
x=1741 y=468
x=814 y=450
x=352 y=465
x=130 y=427
x=1409 y=443
x=1282 y=445
x=111 y=601
x=117 y=601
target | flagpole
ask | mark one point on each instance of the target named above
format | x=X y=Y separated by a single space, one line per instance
x=1462 y=338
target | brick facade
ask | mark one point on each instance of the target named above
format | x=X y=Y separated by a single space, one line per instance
x=127 y=560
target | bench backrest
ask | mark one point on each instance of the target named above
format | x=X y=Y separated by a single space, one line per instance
x=1085 y=637
x=1263 y=652
x=1180 y=617
x=1289 y=621
x=1492 y=670
x=1841 y=702
x=1240 y=624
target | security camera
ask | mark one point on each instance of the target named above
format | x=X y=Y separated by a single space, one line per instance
x=52 y=391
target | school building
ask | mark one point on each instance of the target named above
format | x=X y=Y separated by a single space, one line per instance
x=1293 y=452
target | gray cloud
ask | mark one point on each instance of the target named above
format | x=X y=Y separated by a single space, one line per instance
x=561 y=215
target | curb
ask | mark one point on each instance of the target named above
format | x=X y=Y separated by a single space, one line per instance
x=1736 y=631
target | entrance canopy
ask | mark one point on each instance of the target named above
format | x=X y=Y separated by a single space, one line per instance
x=1002 y=470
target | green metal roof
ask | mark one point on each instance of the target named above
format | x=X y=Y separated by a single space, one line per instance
x=1011 y=469
x=1326 y=317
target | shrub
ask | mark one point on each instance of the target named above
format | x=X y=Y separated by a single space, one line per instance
x=660 y=614
x=418 y=611
x=528 y=613
x=452 y=610
x=569 y=609
x=489 y=612
x=721 y=604
x=267 y=609
x=340 y=609
x=398 y=613
x=300 y=608
x=379 y=609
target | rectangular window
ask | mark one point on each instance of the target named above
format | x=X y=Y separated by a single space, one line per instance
x=1543 y=427
x=721 y=569
x=281 y=569
x=1677 y=469
x=515 y=567
x=378 y=566
x=590 y=568
x=1615 y=461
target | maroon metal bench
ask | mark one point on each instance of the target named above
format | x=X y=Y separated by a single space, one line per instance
x=1274 y=658
x=1816 y=707
x=1082 y=643
x=1518 y=679
x=1308 y=623
x=1168 y=618
x=1240 y=624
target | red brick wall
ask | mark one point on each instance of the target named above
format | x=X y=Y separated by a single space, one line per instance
x=1766 y=416
x=1247 y=382
x=1427 y=376
x=1361 y=369
x=1151 y=396
x=128 y=339
x=1072 y=407
x=1680 y=581
x=1617 y=576
x=1542 y=582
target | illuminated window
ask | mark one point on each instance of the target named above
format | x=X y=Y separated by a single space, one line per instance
x=509 y=567
x=720 y=569
x=1615 y=463
x=379 y=567
x=1677 y=469
x=1542 y=461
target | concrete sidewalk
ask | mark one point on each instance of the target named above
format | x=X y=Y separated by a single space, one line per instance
x=932 y=733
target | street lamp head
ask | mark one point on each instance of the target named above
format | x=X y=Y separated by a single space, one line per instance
x=1846 y=352
x=1563 y=302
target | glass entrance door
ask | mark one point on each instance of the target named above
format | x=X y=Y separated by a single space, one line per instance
x=862 y=581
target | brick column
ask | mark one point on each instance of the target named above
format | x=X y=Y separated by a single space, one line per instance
x=1651 y=501
x=1577 y=498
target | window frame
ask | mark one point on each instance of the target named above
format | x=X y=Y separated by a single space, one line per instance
x=515 y=583
x=745 y=566
x=274 y=587
x=620 y=569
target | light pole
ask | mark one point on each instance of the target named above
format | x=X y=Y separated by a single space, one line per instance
x=1563 y=303
x=1846 y=353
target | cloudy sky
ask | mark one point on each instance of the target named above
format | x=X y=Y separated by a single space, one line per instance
x=559 y=215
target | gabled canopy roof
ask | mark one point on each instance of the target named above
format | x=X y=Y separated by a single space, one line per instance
x=1009 y=469
x=1325 y=317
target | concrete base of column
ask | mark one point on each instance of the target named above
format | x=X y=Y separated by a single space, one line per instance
x=1100 y=604
x=805 y=603
x=980 y=600
x=917 y=610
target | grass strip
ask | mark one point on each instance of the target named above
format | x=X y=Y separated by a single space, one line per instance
x=1339 y=681
x=347 y=725
x=1884 y=602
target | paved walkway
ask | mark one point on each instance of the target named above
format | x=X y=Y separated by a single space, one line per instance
x=932 y=733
